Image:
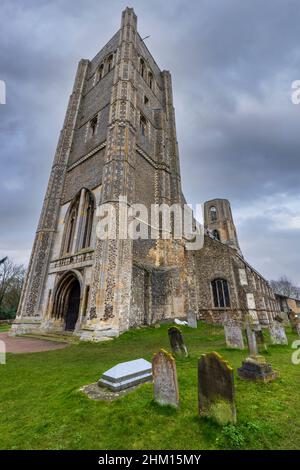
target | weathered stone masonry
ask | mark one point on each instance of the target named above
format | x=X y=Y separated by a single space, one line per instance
x=119 y=139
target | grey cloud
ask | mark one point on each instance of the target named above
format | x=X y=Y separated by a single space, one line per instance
x=232 y=65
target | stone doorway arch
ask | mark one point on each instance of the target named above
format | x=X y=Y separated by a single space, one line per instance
x=67 y=300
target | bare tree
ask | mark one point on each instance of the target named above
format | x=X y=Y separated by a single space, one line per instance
x=11 y=281
x=284 y=286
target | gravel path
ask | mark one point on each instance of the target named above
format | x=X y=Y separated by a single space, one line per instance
x=19 y=345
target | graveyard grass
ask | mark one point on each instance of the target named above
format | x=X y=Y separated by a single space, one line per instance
x=41 y=406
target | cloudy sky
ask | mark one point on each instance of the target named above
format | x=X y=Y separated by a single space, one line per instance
x=232 y=63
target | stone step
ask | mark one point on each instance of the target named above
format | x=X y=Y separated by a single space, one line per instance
x=54 y=337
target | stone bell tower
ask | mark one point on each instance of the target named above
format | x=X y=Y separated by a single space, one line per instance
x=219 y=221
x=118 y=140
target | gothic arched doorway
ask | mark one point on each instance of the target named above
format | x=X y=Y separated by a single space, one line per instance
x=72 y=311
x=67 y=300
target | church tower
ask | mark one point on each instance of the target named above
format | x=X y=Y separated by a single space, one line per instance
x=118 y=140
x=219 y=221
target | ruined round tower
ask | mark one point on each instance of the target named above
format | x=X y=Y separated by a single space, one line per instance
x=219 y=221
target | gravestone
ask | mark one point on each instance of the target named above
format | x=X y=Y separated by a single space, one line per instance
x=277 y=333
x=260 y=340
x=176 y=341
x=233 y=334
x=126 y=375
x=216 y=396
x=294 y=321
x=251 y=340
x=192 y=319
x=165 y=383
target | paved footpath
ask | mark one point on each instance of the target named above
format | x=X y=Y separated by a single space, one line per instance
x=19 y=345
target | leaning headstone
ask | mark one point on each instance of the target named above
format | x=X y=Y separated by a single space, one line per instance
x=176 y=341
x=277 y=333
x=256 y=368
x=165 y=381
x=216 y=396
x=233 y=334
x=126 y=375
x=297 y=328
x=192 y=319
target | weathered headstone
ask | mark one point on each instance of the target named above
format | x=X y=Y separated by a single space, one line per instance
x=260 y=340
x=126 y=375
x=176 y=341
x=277 y=333
x=294 y=321
x=165 y=381
x=233 y=334
x=297 y=328
x=192 y=319
x=256 y=368
x=216 y=397
x=251 y=340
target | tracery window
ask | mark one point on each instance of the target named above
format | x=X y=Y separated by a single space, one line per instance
x=220 y=292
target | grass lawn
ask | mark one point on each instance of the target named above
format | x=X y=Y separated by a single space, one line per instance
x=4 y=328
x=41 y=406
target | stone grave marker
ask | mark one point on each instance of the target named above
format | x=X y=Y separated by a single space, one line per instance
x=251 y=340
x=126 y=375
x=277 y=333
x=176 y=341
x=260 y=340
x=165 y=383
x=295 y=322
x=216 y=396
x=192 y=319
x=233 y=334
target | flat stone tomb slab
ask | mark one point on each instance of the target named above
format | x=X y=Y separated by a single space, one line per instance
x=126 y=375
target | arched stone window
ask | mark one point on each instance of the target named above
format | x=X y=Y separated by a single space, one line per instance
x=213 y=214
x=100 y=72
x=110 y=63
x=150 y=79
x=88 y=213
x=93 y=125
x=142 y=68
x=70 y=226
x=79 y=223
x=220 y=292
x=216 y=235
x=143 y=125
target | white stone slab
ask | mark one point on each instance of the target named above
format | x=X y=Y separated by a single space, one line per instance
x=127 y=374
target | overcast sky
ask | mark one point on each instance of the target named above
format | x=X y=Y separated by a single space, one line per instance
x=232 y=63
